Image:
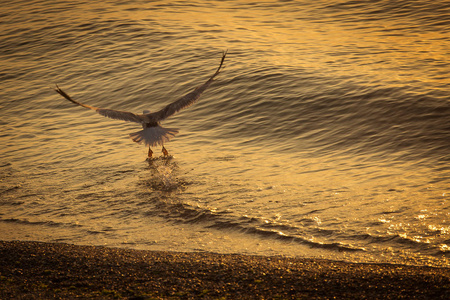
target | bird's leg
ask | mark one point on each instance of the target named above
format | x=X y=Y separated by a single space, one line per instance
x=165 y=152
x=150 y=152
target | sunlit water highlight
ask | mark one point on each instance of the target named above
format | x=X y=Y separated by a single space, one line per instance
x=326 y=135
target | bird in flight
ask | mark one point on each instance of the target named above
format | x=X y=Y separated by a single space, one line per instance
x=152 y=133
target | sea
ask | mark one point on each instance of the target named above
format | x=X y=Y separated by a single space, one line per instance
x=325 y=136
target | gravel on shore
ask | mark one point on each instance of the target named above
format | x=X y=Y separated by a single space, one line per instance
x=35 y=270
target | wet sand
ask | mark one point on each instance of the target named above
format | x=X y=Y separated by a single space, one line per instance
x=34 y=270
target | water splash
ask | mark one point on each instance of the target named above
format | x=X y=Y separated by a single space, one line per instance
x=163 y=175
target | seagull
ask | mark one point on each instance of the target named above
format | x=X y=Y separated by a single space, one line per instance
x=152 y=133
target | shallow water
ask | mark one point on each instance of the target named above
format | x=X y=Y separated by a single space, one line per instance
x=326 y=135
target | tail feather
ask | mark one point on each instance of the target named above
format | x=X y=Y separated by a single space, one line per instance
x=152 y=136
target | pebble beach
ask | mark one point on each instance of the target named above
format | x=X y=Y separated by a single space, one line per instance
x=36 y=270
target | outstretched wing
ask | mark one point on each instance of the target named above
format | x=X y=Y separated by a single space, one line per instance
x=184 y=101
x=158 y=116
x=110 y=113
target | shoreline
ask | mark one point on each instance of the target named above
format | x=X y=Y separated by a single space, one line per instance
x=38 y=270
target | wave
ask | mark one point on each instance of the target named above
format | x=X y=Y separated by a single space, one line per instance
x=416 y=14
x=226 y=220
x=330 y=115
x=34 y=223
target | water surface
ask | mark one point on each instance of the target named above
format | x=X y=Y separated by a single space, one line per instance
x=326 y=135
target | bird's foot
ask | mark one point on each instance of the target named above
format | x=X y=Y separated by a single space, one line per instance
x=150 y=153
x=166 y=154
